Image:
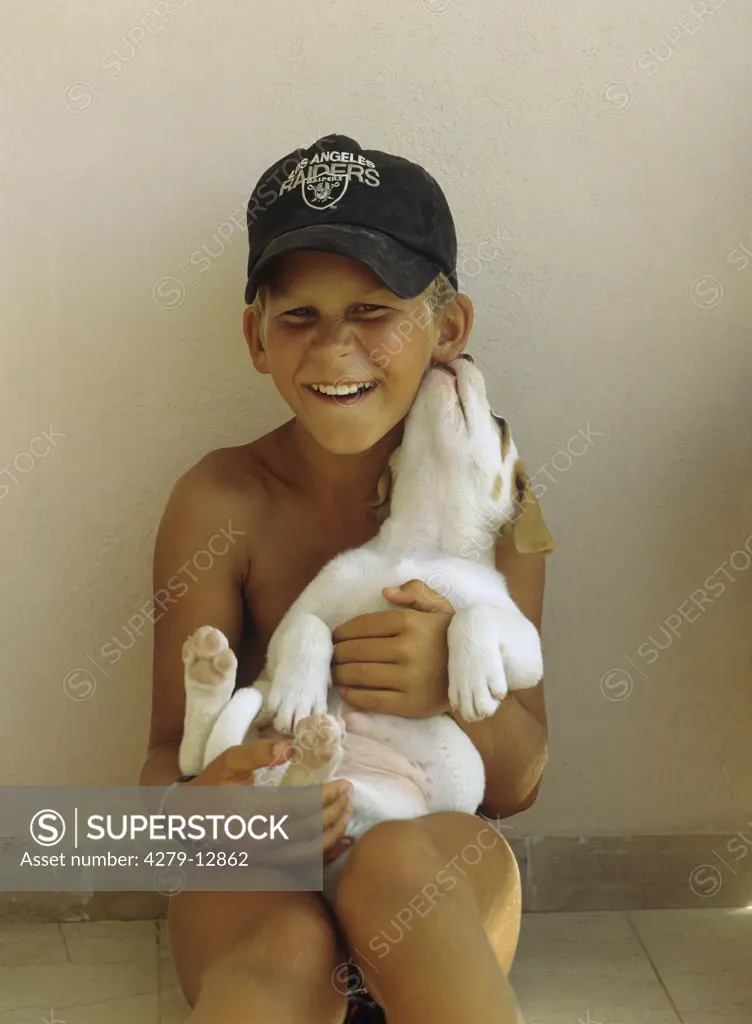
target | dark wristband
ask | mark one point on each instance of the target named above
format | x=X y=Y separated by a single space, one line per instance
x=178 y=781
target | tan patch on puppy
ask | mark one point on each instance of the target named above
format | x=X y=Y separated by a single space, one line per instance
x=521 y=481
x=505 y=437
x=528 y=528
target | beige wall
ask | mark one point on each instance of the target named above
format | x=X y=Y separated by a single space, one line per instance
x=609 y=188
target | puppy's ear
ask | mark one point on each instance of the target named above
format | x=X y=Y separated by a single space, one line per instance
x=527 y=528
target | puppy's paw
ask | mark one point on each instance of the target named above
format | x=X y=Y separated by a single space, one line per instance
x=299 y=663
x=209 y=661
x=317 y=742
x=477 y=679
x=293 y=697
x=472 y=699
x=523 y=656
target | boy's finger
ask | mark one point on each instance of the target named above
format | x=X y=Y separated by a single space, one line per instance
x=317 y=843
x=313 y=825
x=333 y=790
x=334 y=811
x=335 y=835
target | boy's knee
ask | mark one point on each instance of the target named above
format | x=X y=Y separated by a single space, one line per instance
x=385 y=869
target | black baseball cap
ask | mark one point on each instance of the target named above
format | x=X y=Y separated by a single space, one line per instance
x=380 y=209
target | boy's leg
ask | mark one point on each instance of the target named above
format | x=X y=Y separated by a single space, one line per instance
x=431 y=912
x=243 y=957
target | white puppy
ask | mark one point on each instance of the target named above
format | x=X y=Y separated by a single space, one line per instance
x=456 y=481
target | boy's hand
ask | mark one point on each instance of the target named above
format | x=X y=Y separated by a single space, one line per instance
x=236 y=767
x=395 y=662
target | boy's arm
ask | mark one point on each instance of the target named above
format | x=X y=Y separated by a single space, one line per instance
x=513 y=742
x=199 y=508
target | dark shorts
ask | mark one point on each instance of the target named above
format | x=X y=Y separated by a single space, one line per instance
x=361 y=1008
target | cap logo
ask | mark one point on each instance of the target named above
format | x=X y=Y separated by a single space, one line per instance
x=324 y=179
x=324 y=190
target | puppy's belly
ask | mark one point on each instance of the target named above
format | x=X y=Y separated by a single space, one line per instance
x=385 y=784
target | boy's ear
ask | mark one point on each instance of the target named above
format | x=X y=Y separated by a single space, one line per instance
x=455 y=331
x=252 y=332
x=528 y=528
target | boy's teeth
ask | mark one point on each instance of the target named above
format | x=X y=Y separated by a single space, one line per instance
x=341 y=389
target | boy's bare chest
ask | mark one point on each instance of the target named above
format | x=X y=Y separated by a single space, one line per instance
x=289 y=547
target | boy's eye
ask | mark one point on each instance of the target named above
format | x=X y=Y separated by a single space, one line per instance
x=304 y=311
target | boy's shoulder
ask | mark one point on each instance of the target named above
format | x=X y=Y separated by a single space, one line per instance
x=234 y=468
x=242 y=474
x=231 y=478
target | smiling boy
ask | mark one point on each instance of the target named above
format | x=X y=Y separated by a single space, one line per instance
x=351 y=288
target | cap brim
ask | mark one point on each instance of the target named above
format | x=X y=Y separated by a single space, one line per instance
x=402 y=271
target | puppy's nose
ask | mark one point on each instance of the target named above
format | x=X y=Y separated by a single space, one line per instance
x=466 y=355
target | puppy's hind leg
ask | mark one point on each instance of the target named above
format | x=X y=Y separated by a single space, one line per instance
x=234 y=723
x=210 y=668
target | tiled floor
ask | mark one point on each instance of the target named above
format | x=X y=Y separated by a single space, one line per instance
x=643 y=967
